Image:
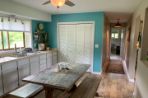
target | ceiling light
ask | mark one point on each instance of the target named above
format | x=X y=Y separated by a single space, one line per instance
x=118 y=25
x=58 y=3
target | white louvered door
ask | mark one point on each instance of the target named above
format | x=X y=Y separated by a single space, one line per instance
x=76 y=43
x=85 y=43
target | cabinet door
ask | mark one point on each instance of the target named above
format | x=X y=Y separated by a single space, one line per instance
x=34 y=64
x=42 y=62
x=10 y=76
x=54 y=58
x=1 y=86
x=23 y=67
x=49 y=60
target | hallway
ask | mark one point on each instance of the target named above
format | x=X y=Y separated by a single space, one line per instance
x=115 y=65
x=114 y=83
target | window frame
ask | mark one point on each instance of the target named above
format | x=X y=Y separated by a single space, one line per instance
x=9 y=41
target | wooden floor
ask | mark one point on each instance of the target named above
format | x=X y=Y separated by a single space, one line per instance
x=111 y=86
x=115 y=65
x=115 y=68
x=115 y=86
x=114 y=83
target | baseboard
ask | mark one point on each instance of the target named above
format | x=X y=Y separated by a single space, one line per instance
x=97 y=73
x=126 y=71
x=137 y=93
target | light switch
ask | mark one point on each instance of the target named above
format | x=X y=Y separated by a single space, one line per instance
x=96 y=45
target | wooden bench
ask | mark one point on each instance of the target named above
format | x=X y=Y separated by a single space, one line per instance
x=27 y=91
x=88 y=88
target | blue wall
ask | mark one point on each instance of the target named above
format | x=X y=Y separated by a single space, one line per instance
x=97 y=17
x=34 y=27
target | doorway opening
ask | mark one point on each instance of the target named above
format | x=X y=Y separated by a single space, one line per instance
x=116 y=34
x=116 y=50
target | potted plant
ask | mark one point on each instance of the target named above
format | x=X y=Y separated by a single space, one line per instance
x=42 y=37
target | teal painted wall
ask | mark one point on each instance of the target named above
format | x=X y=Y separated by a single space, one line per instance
x=97 y=17
x=34 y=27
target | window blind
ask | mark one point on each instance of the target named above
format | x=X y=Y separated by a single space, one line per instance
x=12 y=24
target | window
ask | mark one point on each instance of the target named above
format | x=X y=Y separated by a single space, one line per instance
x=9 y=39
x=14 y=31
x=16 y=38
x=115 y=35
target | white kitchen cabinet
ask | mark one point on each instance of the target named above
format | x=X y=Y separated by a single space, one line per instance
x=10 y=76
x=12 y=72
x=1 y=84
x=34 y=64
x=42 y=62
x=24 y=69
x=54 y=57
x=49 y=59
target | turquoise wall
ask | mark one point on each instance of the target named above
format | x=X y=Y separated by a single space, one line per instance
x=97 y=17
x=34 y=27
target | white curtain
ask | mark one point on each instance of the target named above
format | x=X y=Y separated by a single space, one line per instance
x=12 y=24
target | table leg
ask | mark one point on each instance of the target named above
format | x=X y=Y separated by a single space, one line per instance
x=48 y=92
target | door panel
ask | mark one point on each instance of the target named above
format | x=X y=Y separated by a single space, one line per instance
x=24 y=69
x=43 y=62
x=34 y=64
x=10 y=76
x=49 y=60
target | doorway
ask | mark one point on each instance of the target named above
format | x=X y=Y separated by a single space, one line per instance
x=115 y=41
x=116 y=50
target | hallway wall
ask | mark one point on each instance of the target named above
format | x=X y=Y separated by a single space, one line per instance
x=106 y=45
x=142 y=71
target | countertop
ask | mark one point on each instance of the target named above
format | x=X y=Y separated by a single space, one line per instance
x=7 y=59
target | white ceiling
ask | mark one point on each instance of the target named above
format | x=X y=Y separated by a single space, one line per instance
x=108 y=6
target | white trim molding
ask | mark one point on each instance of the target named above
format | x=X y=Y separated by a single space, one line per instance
x=126 y=71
